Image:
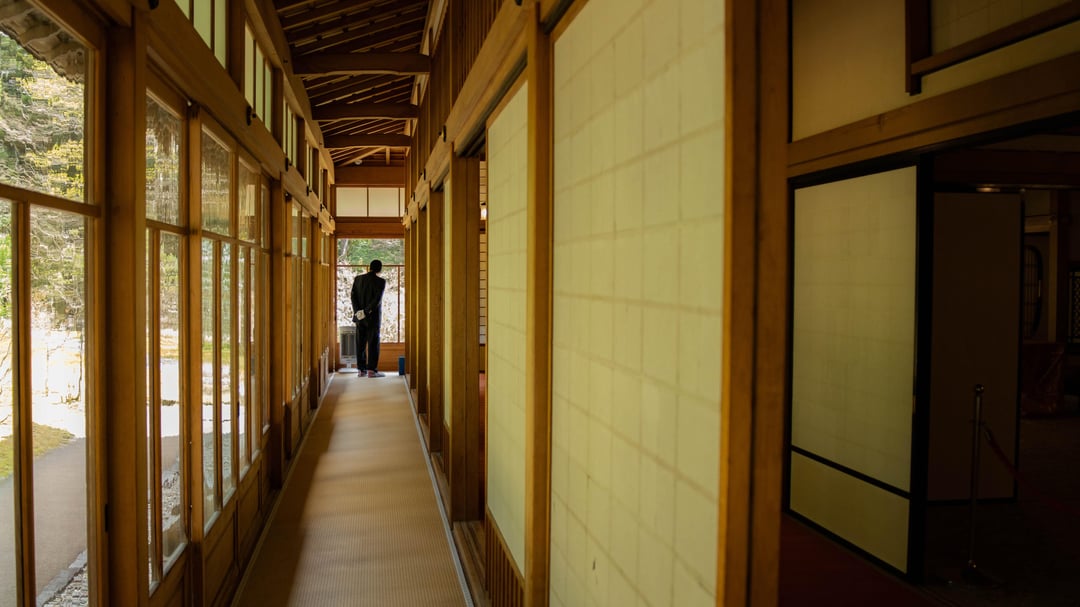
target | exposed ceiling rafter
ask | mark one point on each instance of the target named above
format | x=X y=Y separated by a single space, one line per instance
x=362 y=63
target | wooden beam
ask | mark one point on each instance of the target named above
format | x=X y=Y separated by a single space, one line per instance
x=366 y=35
x=369 y=227
x=370 y=176
x=538 y=312
x=1029 y=94
x=1032 y=26
x=351 y=159
x=328 y=11
x=362 y=63
x=365 y=111
x=368 y=141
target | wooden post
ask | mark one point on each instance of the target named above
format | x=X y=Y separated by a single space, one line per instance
x=463 y=298
x=410 y=304
x=421 y=334
x=433 y=266
x=275 y=448
x=756 y=274
x=125 y=315
x=538 y=316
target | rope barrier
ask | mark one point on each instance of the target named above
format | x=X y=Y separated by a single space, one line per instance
x=1038 y=493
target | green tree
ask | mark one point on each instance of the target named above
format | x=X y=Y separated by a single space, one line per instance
x=361 y=251
x=42 y=118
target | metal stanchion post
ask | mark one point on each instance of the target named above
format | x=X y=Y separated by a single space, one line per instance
x=972 y=574
x=976 y=425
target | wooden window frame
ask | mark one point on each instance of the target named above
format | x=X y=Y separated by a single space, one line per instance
x=922 y=60
x=165 y=96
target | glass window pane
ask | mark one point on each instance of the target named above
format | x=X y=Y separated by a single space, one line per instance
x=263 y=218
x=202 y=18
x=268 y=88
x=264 y=335
x=255 y=358
x=257 y=86
x=8 y=578
x=185 y=7
x=250 y=66
x=43 y=111
x=58 y=379
x=244 y=321
x=248 y=198
x=215 y=185
x=209 y=419
x=226 y=373
x=220 y=29
x=304 y=226
x=294 y=228
x=163 y=136
x=173 y=533
x=151 y=422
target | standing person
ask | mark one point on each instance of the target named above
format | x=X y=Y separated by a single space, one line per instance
x=366 y=295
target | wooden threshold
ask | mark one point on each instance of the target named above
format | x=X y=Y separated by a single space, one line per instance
x=469 y=541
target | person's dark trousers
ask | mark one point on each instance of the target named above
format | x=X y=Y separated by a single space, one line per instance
x=372 y=338
x=361 y=341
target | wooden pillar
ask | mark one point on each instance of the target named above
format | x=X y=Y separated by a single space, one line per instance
x=433 y=266
x=420 y=273
x=124 y=362
x=275 y=448
x=756 y=294
x=538 y=298
x=410 y=303
x=463 y=297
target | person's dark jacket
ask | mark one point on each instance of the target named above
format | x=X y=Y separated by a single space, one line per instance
x=366 y=295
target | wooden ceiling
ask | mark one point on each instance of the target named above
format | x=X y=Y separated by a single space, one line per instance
x=359 y=61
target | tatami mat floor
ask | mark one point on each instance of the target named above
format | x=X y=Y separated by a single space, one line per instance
x=358 y=523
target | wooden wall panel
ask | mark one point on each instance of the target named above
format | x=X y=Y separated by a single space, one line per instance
x=504 y=583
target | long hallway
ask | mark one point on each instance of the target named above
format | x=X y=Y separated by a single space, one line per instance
x=357 y=522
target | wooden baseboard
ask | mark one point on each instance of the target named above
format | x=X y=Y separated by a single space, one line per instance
x=505 y=584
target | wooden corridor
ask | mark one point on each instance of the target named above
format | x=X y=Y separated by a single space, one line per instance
x=357 y=522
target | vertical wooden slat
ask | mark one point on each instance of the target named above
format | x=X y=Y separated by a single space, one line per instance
x=125 y=316
x=504 y=584
x=538 y=296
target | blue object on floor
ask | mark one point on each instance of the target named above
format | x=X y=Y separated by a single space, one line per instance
x=401 y=365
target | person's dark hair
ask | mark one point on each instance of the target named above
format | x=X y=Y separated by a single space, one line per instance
x=376 y=265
